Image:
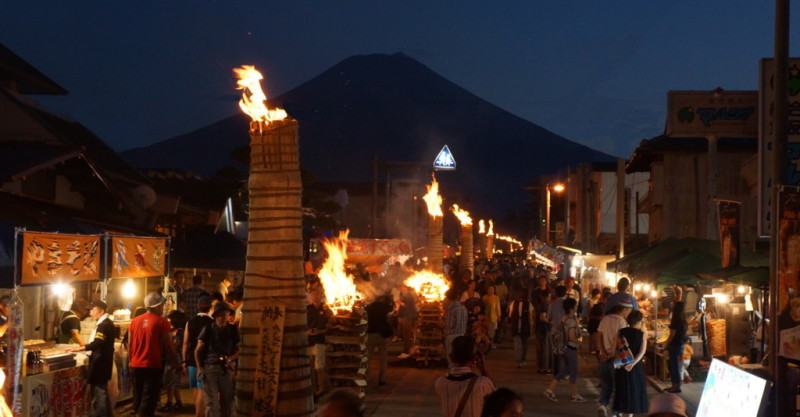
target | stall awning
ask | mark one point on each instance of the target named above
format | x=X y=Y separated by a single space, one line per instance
x=757 y=277
x=684 y=271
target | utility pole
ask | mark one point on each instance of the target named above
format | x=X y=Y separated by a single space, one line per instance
x=778 y=366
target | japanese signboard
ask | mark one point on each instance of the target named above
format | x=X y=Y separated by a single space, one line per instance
x=766 y=138
x=134 y=257
x=50 y=257
x=789 y=273
x=379 y=247
x=724 y=114
x=57 y=394
x=268 y=359
x=729 y=232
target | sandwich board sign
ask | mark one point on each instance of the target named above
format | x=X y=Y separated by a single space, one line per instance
x=444 y=160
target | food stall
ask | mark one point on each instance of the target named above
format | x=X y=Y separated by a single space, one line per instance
x=52 y=270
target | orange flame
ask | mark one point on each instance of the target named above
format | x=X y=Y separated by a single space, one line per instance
x=254 y=105
x=428 y=285
x=463 y=215
x=509 y=239
x=481 y=227
x=433 y=199
x=340 y=289
x=490 y=232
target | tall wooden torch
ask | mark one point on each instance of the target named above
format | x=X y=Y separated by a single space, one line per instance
x=434 y=202
x=274 y=377
x=467 y=260
x=481 y=239
x=490 y=240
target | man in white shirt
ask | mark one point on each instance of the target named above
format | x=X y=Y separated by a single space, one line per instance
x=461 y=392
x=606 y=340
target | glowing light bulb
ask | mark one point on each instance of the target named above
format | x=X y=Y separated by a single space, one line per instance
x=59 y=289
x=653 y=293
x=741 y=289
x=646 y=287
x=129 y=289
x=637 y=287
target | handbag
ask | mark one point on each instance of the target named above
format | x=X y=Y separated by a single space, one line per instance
x=622 y=354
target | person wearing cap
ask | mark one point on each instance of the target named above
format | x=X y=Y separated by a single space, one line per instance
x=190 y=336
x=667 y=405
x=148 y=342
x=217 y=347
x=101 y=361
x=606 y=341
x=621 y=295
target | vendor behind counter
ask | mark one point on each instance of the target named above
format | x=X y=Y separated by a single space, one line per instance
x=69 y=325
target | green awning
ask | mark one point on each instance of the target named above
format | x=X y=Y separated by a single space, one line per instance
x=757 y=277
x=685 y=270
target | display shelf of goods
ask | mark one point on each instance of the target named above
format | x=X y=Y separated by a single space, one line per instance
x=346 y=362
x=716 y=337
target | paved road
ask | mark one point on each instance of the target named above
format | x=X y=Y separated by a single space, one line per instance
x=410 y=392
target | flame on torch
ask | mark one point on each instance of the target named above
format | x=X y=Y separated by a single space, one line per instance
x=490 y=232
x=481 y=227
x=463 y=215
x=509 y=239
x=433 y=199
x=340 y=288
x=428 y=285
x=253 y=101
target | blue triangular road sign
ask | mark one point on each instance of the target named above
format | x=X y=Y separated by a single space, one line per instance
x=444 y=160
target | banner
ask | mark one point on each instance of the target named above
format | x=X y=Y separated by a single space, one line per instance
x=728 y=212
x=57 y=394
x=766 y=138
x=135 y=257
x=379 y=247
x=789 y=273
x=268 y=359
x=50 y=257
x=14 y=355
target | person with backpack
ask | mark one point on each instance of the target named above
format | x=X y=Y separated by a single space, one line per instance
x=566 y=340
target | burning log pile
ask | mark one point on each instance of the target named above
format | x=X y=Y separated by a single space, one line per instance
x=346 y=362
x=430 y=288
x=434 y=202
x=490 y=240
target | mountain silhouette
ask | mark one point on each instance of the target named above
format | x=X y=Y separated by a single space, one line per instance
x=396 y=108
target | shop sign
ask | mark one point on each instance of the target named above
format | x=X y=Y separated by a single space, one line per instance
x=134 y=256
x=724 y=114
x=268 y=359
x=444 y=160
x=58 y=257
x=789 y=273
x=63 y=393
x=766 y=138
x=730 y=391
x=728 y=212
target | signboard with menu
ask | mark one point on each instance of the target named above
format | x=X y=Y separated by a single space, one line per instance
x=58 y=257
x=730 y=391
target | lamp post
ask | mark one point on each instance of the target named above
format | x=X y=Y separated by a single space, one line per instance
x=557 y=187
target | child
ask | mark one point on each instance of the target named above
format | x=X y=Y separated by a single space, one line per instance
x=480 y=331
x=687 y=359
x=172 y=376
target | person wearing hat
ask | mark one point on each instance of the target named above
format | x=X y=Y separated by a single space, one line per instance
x=69 y=325
x=101 y=346
x=606 y=341
x=667 y=405
x=148 y=342
x=190 y=336
x=217 y=347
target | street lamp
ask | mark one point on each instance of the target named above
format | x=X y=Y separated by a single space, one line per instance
x=557 y=187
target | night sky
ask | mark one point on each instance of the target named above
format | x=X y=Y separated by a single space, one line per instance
x=596 y=72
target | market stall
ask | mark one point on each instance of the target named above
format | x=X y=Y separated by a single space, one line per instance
x=53 y=273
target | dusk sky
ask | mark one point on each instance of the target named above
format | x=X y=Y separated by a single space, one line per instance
x=596 y=72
